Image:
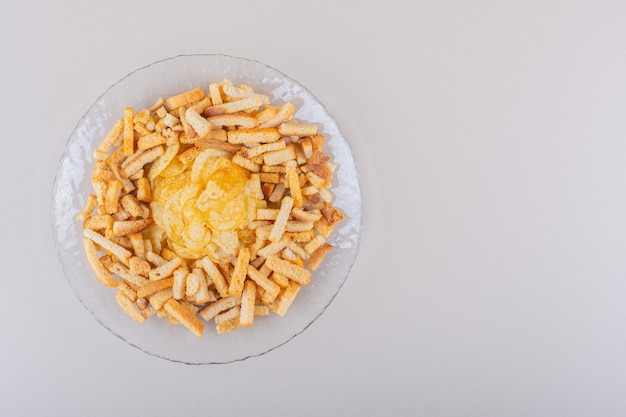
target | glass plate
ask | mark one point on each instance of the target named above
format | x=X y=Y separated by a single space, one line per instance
x=140 y=89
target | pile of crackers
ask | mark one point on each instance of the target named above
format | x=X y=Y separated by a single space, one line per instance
x=283 y=245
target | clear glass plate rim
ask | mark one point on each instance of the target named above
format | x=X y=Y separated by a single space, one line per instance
x=80 y=122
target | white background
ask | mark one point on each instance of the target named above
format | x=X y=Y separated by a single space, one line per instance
x=490 y=136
